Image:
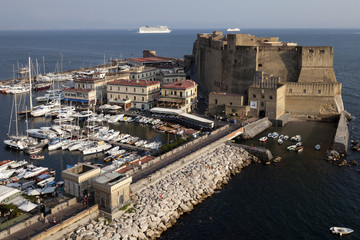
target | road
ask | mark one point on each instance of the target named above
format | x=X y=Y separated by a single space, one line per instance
x=143 y=173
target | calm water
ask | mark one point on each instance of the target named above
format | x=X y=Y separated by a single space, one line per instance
x=299 y=198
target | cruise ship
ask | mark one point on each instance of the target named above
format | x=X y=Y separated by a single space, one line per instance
x=233 y=30
x=158 y=29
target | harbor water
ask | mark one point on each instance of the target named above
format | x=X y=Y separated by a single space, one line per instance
x=299 y=198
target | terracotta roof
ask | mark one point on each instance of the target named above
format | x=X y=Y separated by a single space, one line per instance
x=183 y=84
x=134 y=82
x=149 y=59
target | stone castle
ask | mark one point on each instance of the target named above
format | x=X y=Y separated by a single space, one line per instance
x=273 y=78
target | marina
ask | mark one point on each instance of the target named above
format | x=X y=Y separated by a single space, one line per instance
x=309 y=160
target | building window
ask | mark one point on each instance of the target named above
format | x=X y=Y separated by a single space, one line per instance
x=290 y=90
x=230 y=103
x=262 y=104
x=262 y=96
x=270 y=97
x=134 y=89
x=142 y=99
x=126 y=89
x=215 y=101
x=304 y=90
x=175 y=93
x=319 y=91
x=322 y=51
x=311 y=51
x=118 y=88
x=134 y=97
x=110 y=87
x=110 y=95
x=181 y=94
x=259 y=65
x=254 y=95
x=142 y=90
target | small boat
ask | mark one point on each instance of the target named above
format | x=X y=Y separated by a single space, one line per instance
x=341 y=230
x=270 y=135
x=37 y=157
x=275 y=135
x=281 y=137
x=280 y=141
x=263 y=139
x=317 y=147
x=291 y=148
x=286 y=137
x=299 y=149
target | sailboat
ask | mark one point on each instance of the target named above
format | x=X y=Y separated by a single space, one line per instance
x=27 y=112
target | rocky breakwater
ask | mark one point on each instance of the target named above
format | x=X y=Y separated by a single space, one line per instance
x=158 y=206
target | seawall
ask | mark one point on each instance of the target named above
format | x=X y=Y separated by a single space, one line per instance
x=262 y=153
x=341 y=139
x=253 y=129
x=158 y=204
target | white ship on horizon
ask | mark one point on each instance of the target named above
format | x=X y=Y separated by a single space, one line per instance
x=233 y=30
x=158 y=29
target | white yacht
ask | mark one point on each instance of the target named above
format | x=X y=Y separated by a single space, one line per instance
x=15 y=144
x=41 y=133
x=157 y=29
x=99 y=147
x=233 y=30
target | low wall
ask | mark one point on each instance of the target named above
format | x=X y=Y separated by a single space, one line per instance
x=63 y=205
x=90 y=213
x=253 y=129
x=143 y=183
x=262 y=153
x=20 y=226
x=341 y=139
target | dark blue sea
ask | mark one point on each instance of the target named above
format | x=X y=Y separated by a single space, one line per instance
x=299 y=198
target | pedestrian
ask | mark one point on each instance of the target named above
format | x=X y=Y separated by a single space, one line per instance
x=46 y=220
x=54 y=220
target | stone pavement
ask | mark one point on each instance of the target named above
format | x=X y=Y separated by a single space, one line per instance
x=40 y=226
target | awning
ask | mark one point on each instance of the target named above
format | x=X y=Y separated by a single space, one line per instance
x=75 y=100
x=27 y=206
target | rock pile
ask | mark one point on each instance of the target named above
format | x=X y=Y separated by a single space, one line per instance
x=355 y=145
x=158 y=206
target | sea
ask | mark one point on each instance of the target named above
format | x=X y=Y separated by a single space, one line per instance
x=299 y=198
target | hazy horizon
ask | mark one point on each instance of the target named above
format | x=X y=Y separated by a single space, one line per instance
x=201 y=14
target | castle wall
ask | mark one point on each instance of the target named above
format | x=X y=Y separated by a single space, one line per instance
x=316 y=65
x=312 y=100
x=282 y=62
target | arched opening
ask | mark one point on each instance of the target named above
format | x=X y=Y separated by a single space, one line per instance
x=262 y=114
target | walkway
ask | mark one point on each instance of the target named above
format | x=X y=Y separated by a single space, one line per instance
x=40 y=226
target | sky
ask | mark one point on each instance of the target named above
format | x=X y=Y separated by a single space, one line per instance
x=184 y=14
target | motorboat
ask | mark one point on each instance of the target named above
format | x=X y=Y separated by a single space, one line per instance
x=275 y=135
x=99 y=147
x=299 y=149
x=317 y=147
x=292 y=148
x=37 y=157
x=341 y=230
x=15 y=144
x=263 y=139
x=280 y=141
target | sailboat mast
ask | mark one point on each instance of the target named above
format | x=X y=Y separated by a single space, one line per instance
x=44 y=65
x=31 y=105
x=16 y=113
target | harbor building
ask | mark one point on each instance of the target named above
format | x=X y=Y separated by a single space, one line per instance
x=295 y=80
x=180 y=95
x=112 y=190
x=171 y=75
x=140 y=94
x=87 y=91
x=143 y=73
x=77 y=179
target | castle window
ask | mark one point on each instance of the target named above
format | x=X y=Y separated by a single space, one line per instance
x=259 y=65
x=311 y=51
x=235 y=61
x=215 y=101
x=262 y=104
x=322 y=51
x=290 y=90
x=319 y=91
x=254 y=96
x=270 y=97
x=230 y=103
x=262 y=96
x=304 y=90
